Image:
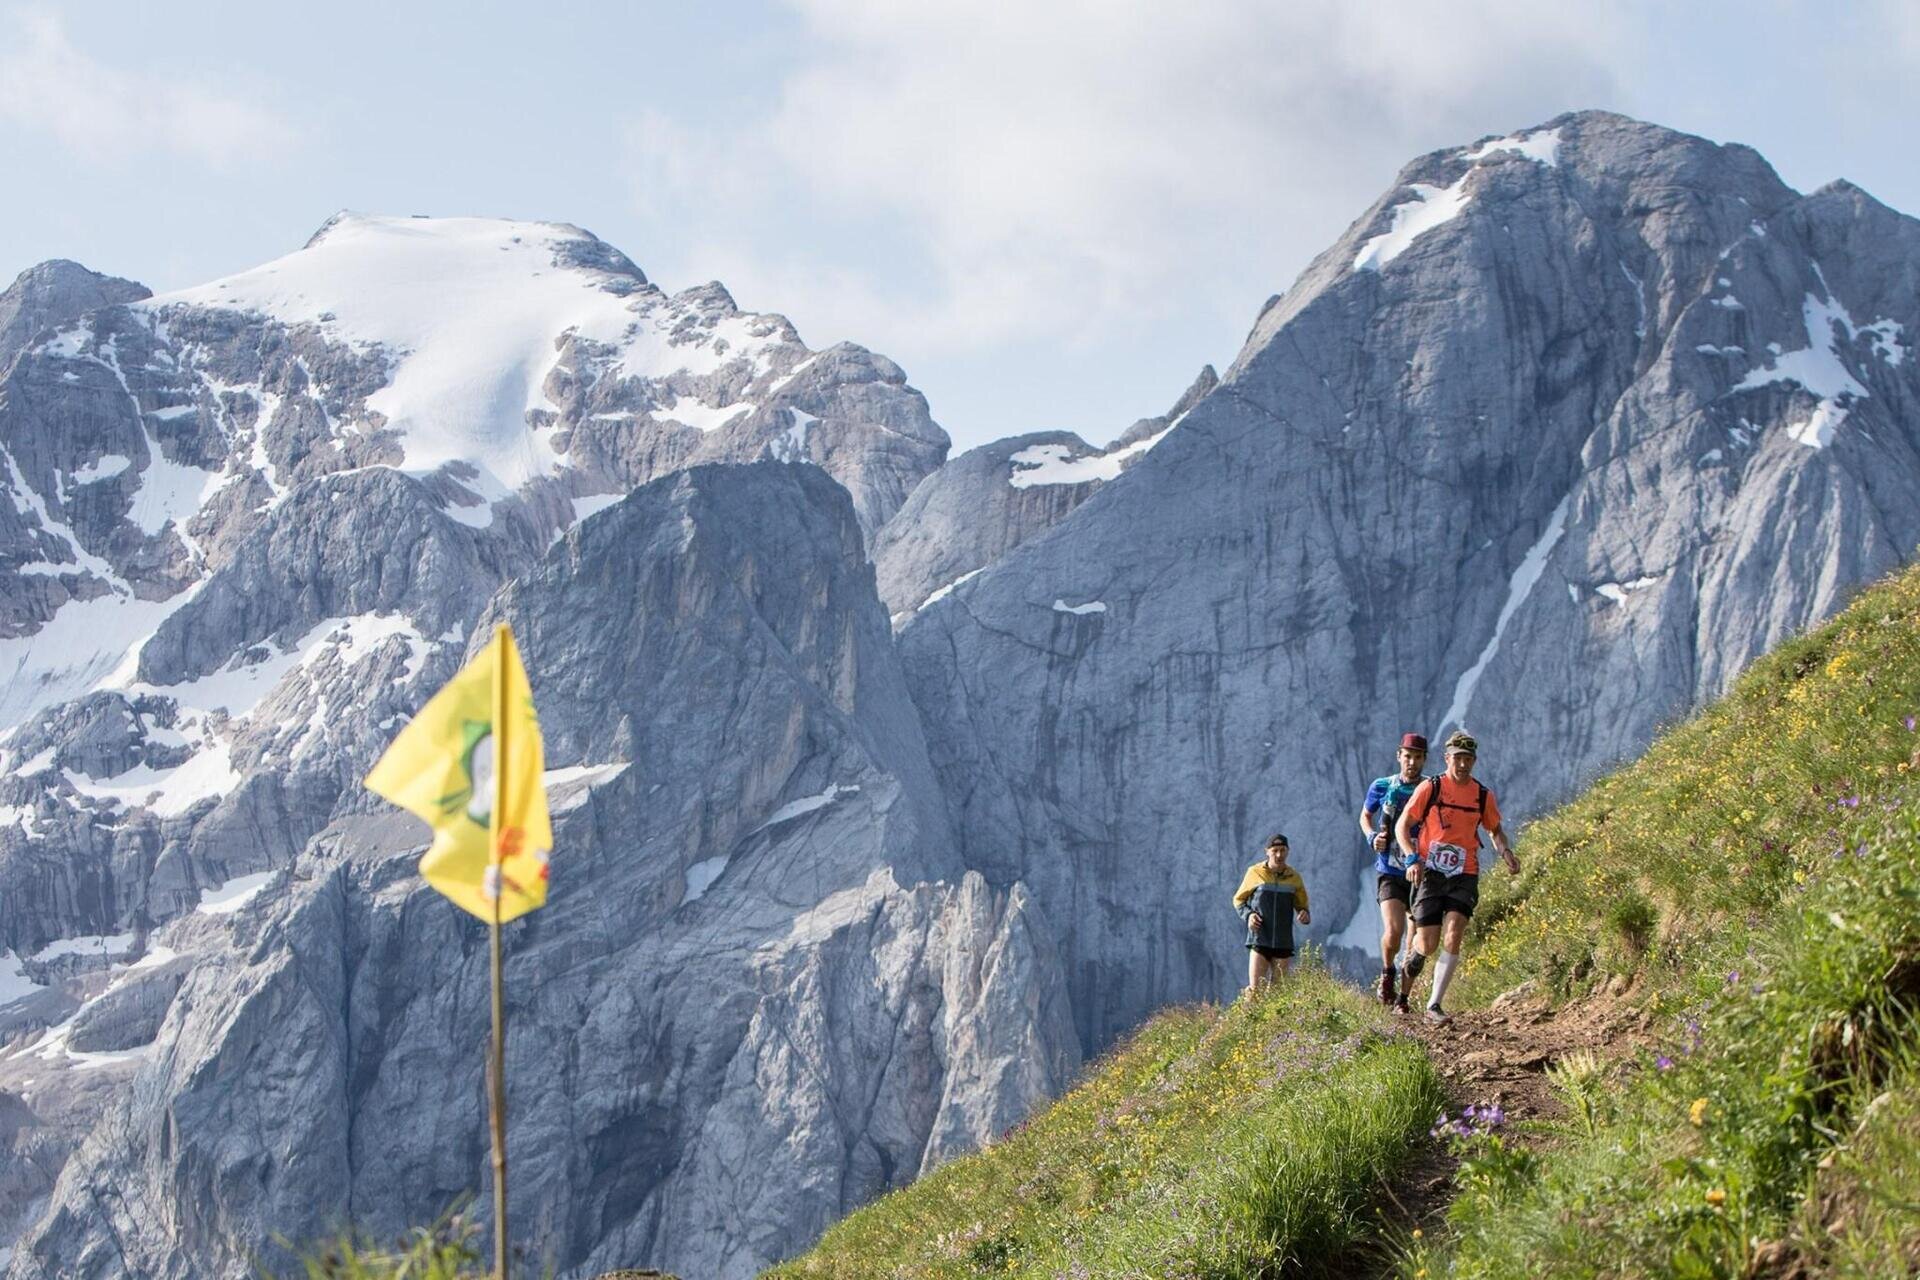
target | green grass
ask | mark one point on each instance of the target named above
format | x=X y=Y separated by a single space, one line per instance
x=1246 y=1142
x=448 y=1250
x=1753 y=882
x=1664 y=868
x=1860 y=1221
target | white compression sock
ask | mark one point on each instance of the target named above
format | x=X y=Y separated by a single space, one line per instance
x=1442 y=975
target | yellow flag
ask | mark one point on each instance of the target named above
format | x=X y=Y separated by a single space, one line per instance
x=470 y=763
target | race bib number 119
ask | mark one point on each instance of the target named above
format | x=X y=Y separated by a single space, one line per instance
x=1447 y=859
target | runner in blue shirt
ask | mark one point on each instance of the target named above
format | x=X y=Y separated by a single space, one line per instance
x=1386 y=799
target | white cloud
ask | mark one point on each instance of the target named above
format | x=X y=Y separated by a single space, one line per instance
x=107 y=113
x=981 y=173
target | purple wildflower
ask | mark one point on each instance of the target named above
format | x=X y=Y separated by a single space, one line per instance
x=1909 y=723
x=1663 y=1062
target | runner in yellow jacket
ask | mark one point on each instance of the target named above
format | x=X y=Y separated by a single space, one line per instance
x=1269 y=944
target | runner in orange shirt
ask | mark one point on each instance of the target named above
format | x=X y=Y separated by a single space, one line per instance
x=1443 y=862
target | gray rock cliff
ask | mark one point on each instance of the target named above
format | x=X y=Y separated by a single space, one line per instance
x=1563 y=432
x=764 y=989
x=989 y=500
x=52 y=293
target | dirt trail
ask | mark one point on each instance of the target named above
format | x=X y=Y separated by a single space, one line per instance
x=1500 y=1055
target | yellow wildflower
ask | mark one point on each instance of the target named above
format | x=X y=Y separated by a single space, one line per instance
x=1698 y=1112
x=1716 y=1197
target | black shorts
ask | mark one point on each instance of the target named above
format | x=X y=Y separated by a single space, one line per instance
x=1391 y=889
x=1271 y=953
x=1438 y=894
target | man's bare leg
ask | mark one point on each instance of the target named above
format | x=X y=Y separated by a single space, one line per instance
x=1393 y=927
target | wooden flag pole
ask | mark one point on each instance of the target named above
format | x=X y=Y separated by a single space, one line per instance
x=495 y=873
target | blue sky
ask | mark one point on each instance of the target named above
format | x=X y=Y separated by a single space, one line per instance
x=1051 y=214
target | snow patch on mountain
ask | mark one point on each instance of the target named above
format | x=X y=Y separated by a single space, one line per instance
x=1055 y=463
x=83 y=646
x=102 y=468
x=238 y=688
x=108 y=945
x=1819 y=369
x=791 y=445
x=703 y=417
x=472 y=313
x=14 y=982
x=1543 y=147
x=208 y=772
x=1518 y=589
x=701 y=875
x=1617 y=592
x=231 y=895
x=943 y=592
x=1431 y=207
x=805 y=805
x=586 y=506
x=212 y=710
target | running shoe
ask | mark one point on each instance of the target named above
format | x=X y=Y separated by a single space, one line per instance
x=1400 y=1003
x=1438 y=1016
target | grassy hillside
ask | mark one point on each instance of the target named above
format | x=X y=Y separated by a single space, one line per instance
x=1750 y=888
x=1213 y=1143
x=1754 y=882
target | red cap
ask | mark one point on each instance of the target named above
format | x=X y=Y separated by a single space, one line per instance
x=1413 y=742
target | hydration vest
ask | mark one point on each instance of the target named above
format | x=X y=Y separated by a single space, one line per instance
x=1479 y=809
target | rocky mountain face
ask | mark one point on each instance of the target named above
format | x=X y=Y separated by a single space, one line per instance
x=51 y=294
x=1566 y=428
x=989 y=500
x=250 y=527
x=765 y=990
x=526 y=373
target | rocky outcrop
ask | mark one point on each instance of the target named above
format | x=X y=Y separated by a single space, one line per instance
x=50 y=295
x=764 y=990
x=989 y=500
x=1563 y=432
